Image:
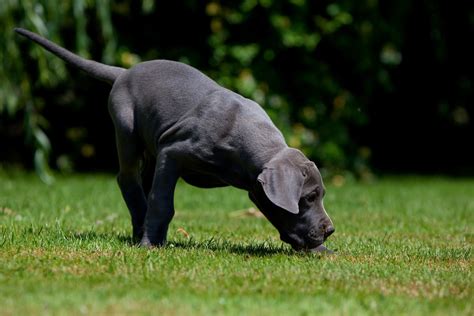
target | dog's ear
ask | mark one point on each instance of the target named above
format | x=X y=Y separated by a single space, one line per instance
x=282 y=184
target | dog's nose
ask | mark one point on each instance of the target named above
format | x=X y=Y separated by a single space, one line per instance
x=329 y=230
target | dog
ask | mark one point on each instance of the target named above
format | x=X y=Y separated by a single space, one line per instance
x=172 y=121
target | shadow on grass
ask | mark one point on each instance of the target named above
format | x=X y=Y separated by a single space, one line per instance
x=55 y=235
x=260 y=249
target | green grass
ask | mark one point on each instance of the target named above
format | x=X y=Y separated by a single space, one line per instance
x=403 y=247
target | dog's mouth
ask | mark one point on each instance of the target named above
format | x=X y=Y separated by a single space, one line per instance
x=294 y=242
x=300 y=244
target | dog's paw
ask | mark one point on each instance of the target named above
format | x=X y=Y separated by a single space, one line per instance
x=147 y=242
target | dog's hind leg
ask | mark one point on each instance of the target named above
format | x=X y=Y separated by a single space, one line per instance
x=130 y=153
x=160 y=210
x=147 y=172
x=130 y=183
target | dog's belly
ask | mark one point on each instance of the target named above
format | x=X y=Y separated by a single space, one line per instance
x=202 y=180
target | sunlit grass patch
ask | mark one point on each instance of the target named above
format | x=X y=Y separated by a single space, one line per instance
x=403 y=246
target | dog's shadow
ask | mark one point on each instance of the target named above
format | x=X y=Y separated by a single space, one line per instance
x=257 y=249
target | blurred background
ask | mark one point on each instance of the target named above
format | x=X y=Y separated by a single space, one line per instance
x=362 y=87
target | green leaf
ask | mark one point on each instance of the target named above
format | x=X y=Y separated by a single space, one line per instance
x=42 y=167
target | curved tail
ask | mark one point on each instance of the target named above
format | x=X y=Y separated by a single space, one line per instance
x=97 y=70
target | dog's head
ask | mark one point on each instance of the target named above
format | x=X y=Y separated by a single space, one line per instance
x=290 y=192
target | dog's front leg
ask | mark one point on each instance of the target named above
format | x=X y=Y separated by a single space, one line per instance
x=160 y=209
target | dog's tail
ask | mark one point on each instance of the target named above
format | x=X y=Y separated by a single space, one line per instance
x=97 y=70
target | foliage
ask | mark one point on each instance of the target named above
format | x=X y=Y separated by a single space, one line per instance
x=330 y=74
x=46 y=18
x=404 y=247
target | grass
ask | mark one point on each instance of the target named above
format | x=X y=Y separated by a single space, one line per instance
x=403 y=247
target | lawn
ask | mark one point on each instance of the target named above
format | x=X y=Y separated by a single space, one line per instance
x=403 y=246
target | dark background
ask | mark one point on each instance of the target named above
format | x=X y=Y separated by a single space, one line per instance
x=361 y=87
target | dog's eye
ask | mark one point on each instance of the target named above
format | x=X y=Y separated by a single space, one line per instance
x=312 y=196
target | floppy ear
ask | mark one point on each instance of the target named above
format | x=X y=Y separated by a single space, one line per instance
x=283 y=184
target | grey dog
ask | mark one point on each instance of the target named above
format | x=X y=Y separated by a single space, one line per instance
x=173 y=121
